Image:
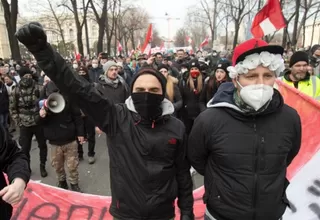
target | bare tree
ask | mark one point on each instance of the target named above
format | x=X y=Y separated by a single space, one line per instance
x=207 y=13
x=197 y=30
x=211 y=12
x=180 y=39
x=10 y=16
x=314 y=23
x=79 y=23
x=101 y=20
x=294 y=38
x=110 y=22
x=134 y=20
x=288 y=9
x=156 y=39
x=307 y=6
x=224 y=18
x=238 y=9
x=51 y=12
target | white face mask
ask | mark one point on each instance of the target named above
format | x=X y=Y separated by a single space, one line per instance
x=94 y=65
x=256 y=95
x=75 y=66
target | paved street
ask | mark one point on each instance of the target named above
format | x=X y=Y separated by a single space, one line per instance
x=94 y=179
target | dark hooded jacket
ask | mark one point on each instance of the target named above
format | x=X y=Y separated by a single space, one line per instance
x=14 y=162
x=64 y=127
x=244 y=157
x=148 y=166
x=117 y=92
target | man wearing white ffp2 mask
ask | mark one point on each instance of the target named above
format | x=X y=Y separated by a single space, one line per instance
x=246 y=139
x=256 y=88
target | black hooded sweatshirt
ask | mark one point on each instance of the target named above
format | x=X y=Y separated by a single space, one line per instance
x=148 y=165
x=243 y=157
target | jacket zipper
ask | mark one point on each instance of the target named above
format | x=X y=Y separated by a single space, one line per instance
x=256 y=164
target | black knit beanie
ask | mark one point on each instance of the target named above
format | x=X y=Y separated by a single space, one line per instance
x=163 y=66
x=194 y=63
x=297 y=57
x=24 y=71
x=151 y=71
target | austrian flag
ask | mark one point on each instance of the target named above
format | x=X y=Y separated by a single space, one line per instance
x=268 y=20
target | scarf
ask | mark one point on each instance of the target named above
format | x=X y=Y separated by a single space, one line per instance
x=244 y=107
x=112 y=83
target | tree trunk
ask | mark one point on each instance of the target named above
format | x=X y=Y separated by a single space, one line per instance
x=125 y=38
x=78 y=26
x=64 y=49
x=86 y=28
x=132 y=39
x=100 y=36
x=295 y=25
x=284 y=37
x=236 y=33
x=314 y=24
x=116 y=38
x=304 y=34
x=10 y=15
x=101 y=20
x=227 y=36
x=108 y=42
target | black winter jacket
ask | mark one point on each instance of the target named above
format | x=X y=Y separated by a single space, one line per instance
x=117 y=94
x=244 y=157
x=148 y=166
x=13 y=162
x=4 y=99
x=64 y=127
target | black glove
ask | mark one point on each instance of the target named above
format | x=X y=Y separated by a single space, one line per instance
x=32 y=36
x=187 y=217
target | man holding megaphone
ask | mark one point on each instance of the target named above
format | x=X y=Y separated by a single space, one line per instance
x=54 y=103
x=63 y=126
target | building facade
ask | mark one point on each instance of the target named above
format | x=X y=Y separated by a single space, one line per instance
x=69 y=31
x=312 y=34
x=5 y=51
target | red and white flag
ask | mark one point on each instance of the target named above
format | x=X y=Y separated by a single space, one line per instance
x=119 y=47
x=148 y=38
x=189 y=40
x=162 y=49
x=147 y=49
x=204 y=43
x=268 y=20
x=139 y=46
x=131 y=53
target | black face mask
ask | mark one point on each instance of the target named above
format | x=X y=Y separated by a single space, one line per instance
x=26 y=82
x=148 y=105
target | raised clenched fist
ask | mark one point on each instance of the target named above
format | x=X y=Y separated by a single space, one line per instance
x=32 y=36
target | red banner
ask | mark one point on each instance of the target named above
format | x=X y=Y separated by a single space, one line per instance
x=46 y=202
x=309 y=111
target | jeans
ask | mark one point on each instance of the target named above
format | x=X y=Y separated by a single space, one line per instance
x=4 y=120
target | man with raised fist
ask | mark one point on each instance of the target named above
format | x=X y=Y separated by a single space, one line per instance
x=146 y=144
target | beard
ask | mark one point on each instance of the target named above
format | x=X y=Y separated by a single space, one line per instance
x=299 y=76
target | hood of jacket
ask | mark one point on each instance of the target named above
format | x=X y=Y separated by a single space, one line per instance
x=224 y=99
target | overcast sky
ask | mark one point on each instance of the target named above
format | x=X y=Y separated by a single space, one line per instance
x=156 y=8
